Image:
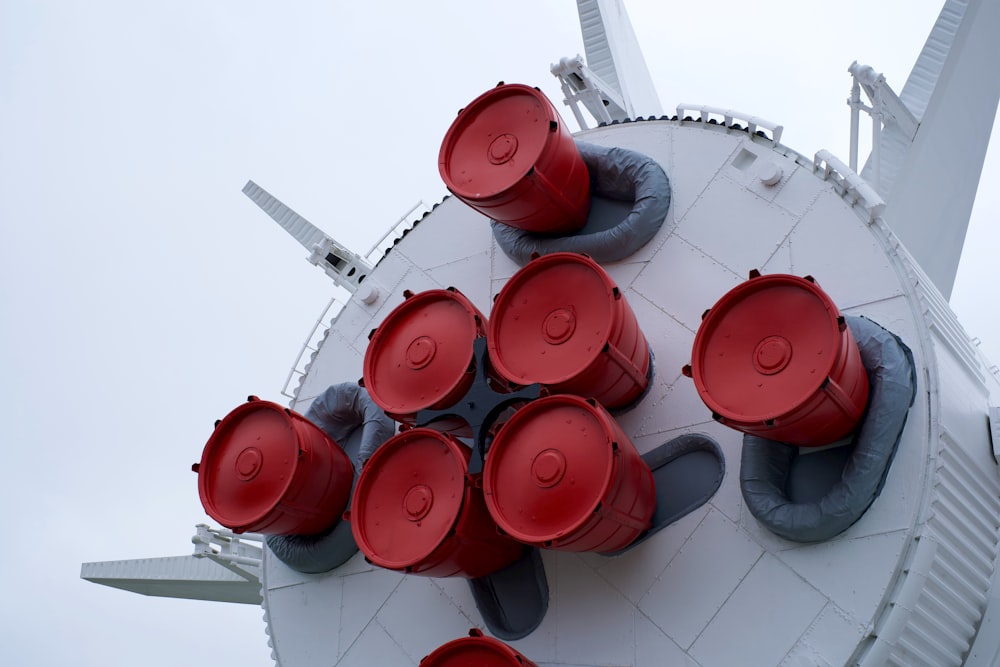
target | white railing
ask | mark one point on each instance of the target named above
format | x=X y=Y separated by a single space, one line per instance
x=395 y=231
x=854 y=188
x=312 y=344
x=728 y=117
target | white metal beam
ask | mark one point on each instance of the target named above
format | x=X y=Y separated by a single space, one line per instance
x=346 y=268
x=614 y=84
x=930 y=184
x=185 y=577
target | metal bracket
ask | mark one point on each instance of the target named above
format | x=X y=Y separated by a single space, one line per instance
x=886 y=109
x=581 y=84
x=229 y=550
x=481 y=406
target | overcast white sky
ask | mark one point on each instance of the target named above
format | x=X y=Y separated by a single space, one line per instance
x=142 y=296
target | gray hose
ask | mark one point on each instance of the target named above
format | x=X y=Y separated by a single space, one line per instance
x=766 y=463
x=615 y=173
x=339 y=412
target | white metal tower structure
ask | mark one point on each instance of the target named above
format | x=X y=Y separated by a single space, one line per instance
x=614 y=82
x=930 y=141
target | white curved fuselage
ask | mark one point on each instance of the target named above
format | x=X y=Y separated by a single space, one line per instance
x=907 y=584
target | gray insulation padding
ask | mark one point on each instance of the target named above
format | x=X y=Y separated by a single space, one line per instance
x=766 y=464
x=342 y=408
x=615 y=173
x=315 y=554
x=339 y=411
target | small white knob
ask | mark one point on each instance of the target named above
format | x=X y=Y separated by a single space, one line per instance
x=368 y=294
x=769 y=173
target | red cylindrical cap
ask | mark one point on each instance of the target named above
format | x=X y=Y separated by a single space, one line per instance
x=475 y=651
x=551 y=319
x=562 y=474
x=263 y=459
x=409 y=497
x=495 y=141
x=764 y=354
x=420 y=356
x=248 y=465
x=561 y=321
x=509 y=156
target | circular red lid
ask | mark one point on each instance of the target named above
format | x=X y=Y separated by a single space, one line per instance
x=765 y=347
x=421 y=351
x=495 y=141
x=248 y=464
x=551 y=320
x=474 y=651
x=408 y=497
x=549 y=468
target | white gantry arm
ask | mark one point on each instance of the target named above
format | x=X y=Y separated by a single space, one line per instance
x=224 y=568
x=347 y=269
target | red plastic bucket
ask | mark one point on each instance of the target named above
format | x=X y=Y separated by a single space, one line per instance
x=562 y=322
x=421 y=356
x=561 y=474
x=509 y=156
x=417 y=510
x=475 y=651
x=775 y=358
x=270 y=470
